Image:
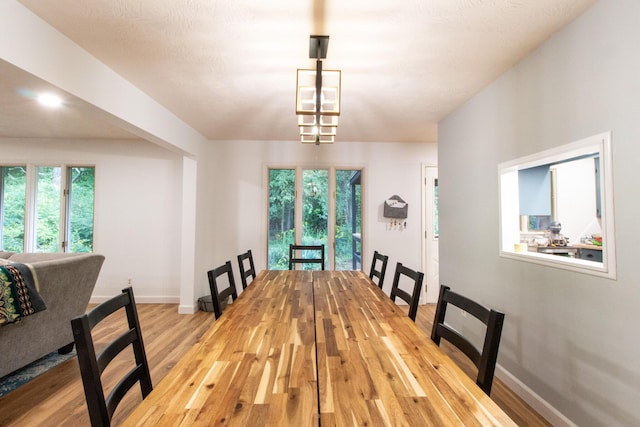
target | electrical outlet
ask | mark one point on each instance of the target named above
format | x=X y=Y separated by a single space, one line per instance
x=129 y=281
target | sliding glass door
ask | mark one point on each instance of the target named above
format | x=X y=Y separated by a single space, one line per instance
x=348 y=220
x=281 y=217
x=315 y=206
x=315 y=209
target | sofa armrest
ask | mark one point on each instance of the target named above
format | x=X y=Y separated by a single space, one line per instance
x=65 y=282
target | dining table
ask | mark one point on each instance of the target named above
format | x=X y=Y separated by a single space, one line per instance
x=316 y=348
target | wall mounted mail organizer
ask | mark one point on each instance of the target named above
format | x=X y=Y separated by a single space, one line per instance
x=396 y=210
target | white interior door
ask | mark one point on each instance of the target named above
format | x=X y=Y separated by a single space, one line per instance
x=431 y=264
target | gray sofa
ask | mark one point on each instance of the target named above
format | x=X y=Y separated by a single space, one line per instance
x=66 y=282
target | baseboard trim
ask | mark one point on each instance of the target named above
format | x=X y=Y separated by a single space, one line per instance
x=182 y=309
x=187 y=309
x=140 y=299
x=544 y=408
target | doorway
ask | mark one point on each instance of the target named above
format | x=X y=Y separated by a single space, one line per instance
x=431 y=264
x=315 y=206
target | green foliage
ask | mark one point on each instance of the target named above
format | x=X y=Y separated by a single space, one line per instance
x=314 y=213
x=281 y=200
x=346 y=213
x=279 y=250
x=14 y=185
x=80 y=209
x=48 y=209
x=315 y=208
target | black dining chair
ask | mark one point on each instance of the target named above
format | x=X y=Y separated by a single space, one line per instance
x=101 y=409
x=410 y=298
x=383 y=267
x=484 y=360
x=220 y=297
x=304 y=258
x=245 y=272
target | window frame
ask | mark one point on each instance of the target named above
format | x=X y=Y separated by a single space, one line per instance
x=67 y=217
x=2 y=199
x=508 y=196
x=330 y=251
x=30 y=217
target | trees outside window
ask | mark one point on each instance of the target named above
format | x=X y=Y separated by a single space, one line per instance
x=13 y=190
x=47 y=208
x=315 y=206
x=281 y=216
x=80 y=202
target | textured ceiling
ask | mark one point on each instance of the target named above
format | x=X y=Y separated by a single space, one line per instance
x=228 y=68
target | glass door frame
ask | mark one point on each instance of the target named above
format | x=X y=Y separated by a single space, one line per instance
x=331 y=205
x=298 y=210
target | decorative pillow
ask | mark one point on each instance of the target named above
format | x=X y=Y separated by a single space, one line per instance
x=18 y=292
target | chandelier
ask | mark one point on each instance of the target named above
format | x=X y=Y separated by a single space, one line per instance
x=318 y=97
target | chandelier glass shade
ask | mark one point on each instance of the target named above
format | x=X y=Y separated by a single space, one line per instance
x=306 y=96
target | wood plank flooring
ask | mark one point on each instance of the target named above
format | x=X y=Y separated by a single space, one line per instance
x=57 y=398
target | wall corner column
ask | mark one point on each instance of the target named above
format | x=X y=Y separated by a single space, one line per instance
x=188 y=239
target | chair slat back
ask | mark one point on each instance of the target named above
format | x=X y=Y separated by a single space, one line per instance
x=246 y=272
x=410 y=298
x=484 y=359
x=378 y=258
x=218 y=296
x=302 y=259
x=101 y=409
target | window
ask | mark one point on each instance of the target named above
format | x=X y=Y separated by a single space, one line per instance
x=315 y=206
x=13 y=190
x=281 y=217
x=47 y=213
x=47 y=208
x=79 y=209
x=556 y=207
x=315 y=209
x=348 y=220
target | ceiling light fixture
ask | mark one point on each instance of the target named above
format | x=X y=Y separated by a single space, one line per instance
x=318 y=97
x=49 y=100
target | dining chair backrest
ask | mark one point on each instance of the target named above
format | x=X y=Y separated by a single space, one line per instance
x=303 y=258
x=377 y=256
x=219 y=297
x=101 y=409
x=484 y=360
x=410 y=298
x=244 y=271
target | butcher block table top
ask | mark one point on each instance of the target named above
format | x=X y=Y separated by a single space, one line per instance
x=302 y=348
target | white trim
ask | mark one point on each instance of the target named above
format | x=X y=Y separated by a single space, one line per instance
x=187 y=309
x=508 y=234
x=541 y=406
x=141 y=299
x=331 y=168
x=426 y=193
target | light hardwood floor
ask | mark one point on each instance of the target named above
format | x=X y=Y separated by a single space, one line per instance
x=57 y=398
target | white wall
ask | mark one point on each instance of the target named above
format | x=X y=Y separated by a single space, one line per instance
x=571 y=338
x=137 y=209
x=138 y=216
x=235 y=195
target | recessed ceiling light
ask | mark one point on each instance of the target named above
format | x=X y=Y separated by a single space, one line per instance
x=49 y=100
